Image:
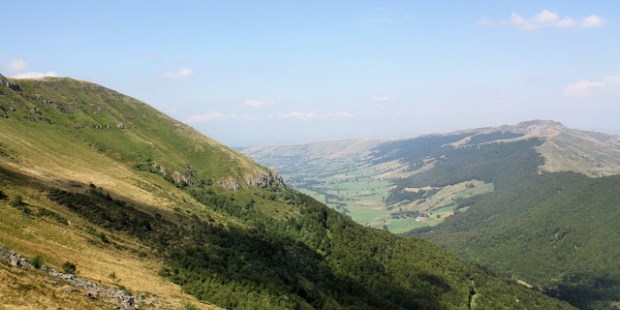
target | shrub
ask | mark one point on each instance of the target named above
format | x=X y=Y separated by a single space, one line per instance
x=36 y=261
x=16 y=201
x=68 y=267
x=103 y=238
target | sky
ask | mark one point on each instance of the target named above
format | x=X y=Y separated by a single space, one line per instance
x=280 y=72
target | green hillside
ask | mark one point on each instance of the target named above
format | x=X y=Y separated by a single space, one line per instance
x=104 y=186
x=520 y=200
x=558 y=232
x=411 y=183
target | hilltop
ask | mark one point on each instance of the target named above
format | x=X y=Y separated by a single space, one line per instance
x=103 y=186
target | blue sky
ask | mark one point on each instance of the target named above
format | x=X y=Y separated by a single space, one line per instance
x=272 y=72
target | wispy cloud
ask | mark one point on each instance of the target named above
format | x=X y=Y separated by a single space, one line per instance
x=382 y=99
x=311 y=116
x=16 y=65
x=292 y=115
x=586 y=88
x=255 y=103
x=545 y=19
x=35 y=75
x=385 y=16
x=209 y=117
x=179 y=74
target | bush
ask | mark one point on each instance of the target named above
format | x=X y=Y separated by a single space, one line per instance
x=189 y=306
x=103 y=238
x=68 y=267
x=36 y=261
x=16 y=201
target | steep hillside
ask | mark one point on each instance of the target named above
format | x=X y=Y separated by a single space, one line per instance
x=412 y=183
x=558 y=232
x=97 y=184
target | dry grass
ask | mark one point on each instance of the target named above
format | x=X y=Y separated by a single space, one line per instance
x=20 y=289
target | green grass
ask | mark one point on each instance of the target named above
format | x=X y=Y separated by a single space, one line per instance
x=364 y=215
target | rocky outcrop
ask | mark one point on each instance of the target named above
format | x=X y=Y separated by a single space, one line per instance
x=3 y=81
x=183 y=179
x=15 y=259
x=264 y=180
x=118 y=297
x=6 y=83
x=229 y=183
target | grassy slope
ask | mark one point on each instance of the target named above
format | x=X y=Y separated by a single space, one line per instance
x=256 y=247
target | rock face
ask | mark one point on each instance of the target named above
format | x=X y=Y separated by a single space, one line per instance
x=3 y=81
x=256 y=180
x=6 y=83
x=264 y=180
x=229 y=183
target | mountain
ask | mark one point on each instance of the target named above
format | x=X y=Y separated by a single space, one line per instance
x=411 y=183
x=535 y=202
x=555 y=231
x=105 y=203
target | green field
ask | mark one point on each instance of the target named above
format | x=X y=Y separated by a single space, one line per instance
x=354 y=186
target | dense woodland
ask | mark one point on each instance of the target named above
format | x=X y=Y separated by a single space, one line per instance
x=556 y=231
x=319 y=259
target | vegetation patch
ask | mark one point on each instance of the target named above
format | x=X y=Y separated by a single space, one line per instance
x=547 y=230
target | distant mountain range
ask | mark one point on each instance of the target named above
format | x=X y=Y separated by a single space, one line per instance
x=386 y=182
x=536 y=202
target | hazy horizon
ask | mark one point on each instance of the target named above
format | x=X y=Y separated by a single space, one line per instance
x=284 y=73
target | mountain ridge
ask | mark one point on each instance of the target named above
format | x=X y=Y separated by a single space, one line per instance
x=535 y=202
x=357 y=177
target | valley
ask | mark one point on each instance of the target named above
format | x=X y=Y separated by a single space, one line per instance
x=522 y=200
x=301 y=155
x=370 y=180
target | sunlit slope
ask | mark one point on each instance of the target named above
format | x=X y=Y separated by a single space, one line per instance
x=141 y=202
x=91 y=117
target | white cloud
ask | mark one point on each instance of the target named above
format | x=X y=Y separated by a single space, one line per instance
x=179 y=74
x=586 y=88
x=16 y=65
x=311 y=116
x=255 y=103
x=546 y=19
x=382 y=99
x=485 y=21
x=35 y=75
x=592 y=21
